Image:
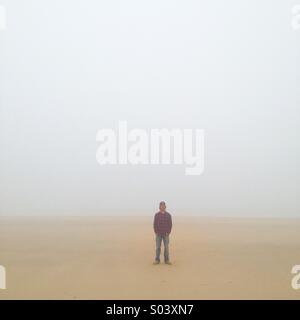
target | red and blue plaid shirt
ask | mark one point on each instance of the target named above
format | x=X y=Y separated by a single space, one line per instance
x=162 y=223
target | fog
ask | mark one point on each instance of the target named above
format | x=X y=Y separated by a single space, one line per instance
x=69 y=68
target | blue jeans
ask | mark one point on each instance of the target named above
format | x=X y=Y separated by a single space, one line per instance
x=165 y=239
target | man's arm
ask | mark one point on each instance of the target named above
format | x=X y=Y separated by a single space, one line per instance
x=155 y=224
x=170 y=224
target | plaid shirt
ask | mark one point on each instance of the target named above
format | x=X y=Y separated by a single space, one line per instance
x=162 y=223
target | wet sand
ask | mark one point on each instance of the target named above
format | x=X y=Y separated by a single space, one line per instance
x=111 y=258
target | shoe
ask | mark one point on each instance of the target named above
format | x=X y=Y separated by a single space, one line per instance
x=156 y=262
x=168 y=262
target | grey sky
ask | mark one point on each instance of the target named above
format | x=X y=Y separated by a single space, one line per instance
x=69 y=68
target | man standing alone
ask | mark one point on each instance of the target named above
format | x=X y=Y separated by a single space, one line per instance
x=162 y=228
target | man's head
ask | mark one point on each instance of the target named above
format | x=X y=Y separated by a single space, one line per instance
x=162 y=206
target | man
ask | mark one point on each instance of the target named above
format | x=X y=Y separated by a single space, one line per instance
x=162 y=228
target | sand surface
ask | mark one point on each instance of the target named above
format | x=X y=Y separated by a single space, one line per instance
x=111 y=258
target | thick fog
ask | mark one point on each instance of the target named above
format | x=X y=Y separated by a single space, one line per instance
x=69 y=68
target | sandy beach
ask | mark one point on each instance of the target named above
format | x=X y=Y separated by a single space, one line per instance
x=111 y=258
